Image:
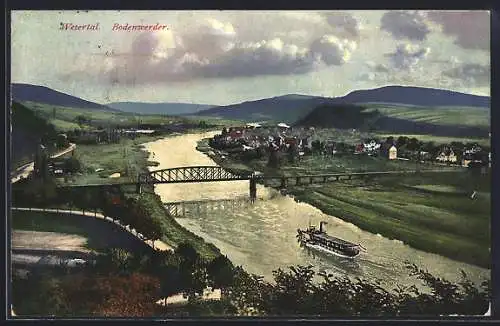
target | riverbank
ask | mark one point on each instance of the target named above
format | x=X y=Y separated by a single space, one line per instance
x=129 y=158
x=448 y=223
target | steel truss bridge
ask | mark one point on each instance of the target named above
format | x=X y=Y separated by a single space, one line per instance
x=191 y=174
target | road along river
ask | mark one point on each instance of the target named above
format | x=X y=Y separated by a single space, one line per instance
x=262 y=236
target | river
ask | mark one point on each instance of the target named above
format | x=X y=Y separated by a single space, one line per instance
x=262 y=236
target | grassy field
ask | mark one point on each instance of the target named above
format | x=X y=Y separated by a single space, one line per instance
x=350 y=137
x=125 y=158
x=477 y=117
x=64 y=118
x=429 y=212
x=440 y=140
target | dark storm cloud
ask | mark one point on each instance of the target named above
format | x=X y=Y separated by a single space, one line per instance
x=405 y=25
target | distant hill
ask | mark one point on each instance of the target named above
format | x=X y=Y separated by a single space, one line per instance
x=167 y=108
x=45 y=95
x=287 y=108
x=290 y=108
x=418 y=96
x=349 y=116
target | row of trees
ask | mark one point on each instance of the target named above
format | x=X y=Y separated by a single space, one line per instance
x=131 y=212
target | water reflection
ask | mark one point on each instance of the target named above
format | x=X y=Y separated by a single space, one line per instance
x=205 y=207
x=339 y=264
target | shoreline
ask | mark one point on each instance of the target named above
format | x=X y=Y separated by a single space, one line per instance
x=300 y=195
x=176 y=233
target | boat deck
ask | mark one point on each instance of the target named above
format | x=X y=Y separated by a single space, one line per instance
x=334 y=239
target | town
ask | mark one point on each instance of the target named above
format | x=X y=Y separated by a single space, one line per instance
x=255 y=140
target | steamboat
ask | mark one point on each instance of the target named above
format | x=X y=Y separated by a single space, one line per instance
x=320 y=240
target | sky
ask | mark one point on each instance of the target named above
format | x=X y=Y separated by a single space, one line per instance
x=225 y=57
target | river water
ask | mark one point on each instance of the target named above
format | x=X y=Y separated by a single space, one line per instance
x=262 y=236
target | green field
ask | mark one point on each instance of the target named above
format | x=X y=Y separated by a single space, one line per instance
x=64 y=118
x=430 y=212
x=439 y=139
x=478 y=117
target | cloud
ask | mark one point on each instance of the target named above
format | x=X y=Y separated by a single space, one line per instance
x=211 y=38
x=407 y=56
x=473 y=73
x=405 y=25
x=213 y=50
x=471 y=29
x=272 y=57
x=377 y=67
x=332 y=50
x=343 y=25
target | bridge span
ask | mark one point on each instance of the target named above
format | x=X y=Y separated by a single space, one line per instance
x=192 y=174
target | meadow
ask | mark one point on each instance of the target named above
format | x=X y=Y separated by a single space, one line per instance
x=65 y=118
x=465 y=116
x=433 y=212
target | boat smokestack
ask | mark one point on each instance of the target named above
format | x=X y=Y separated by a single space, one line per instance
x=321 y=226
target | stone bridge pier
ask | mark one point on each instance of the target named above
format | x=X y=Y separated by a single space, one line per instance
x=253 y=189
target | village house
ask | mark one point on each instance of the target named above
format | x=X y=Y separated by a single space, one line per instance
x=424 y=156
x=283 y=127
x=235 y=133
x=393 y=153
x=470 y=155
x=446 y=156
x=360 y=148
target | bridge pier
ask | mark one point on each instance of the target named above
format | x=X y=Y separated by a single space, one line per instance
x=253 y=190
x=337 y=177
x=283 y=182
x=310 y=180
x=324 y=179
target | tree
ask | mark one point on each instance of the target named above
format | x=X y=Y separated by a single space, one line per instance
x=402 y=141
x=273 y=161
x=187 y=253
x=81 y=120
x=72 y=165
x=292 y=152
x=220 y=272
x=413 y=144
x=62 y=141
x=132 y=295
